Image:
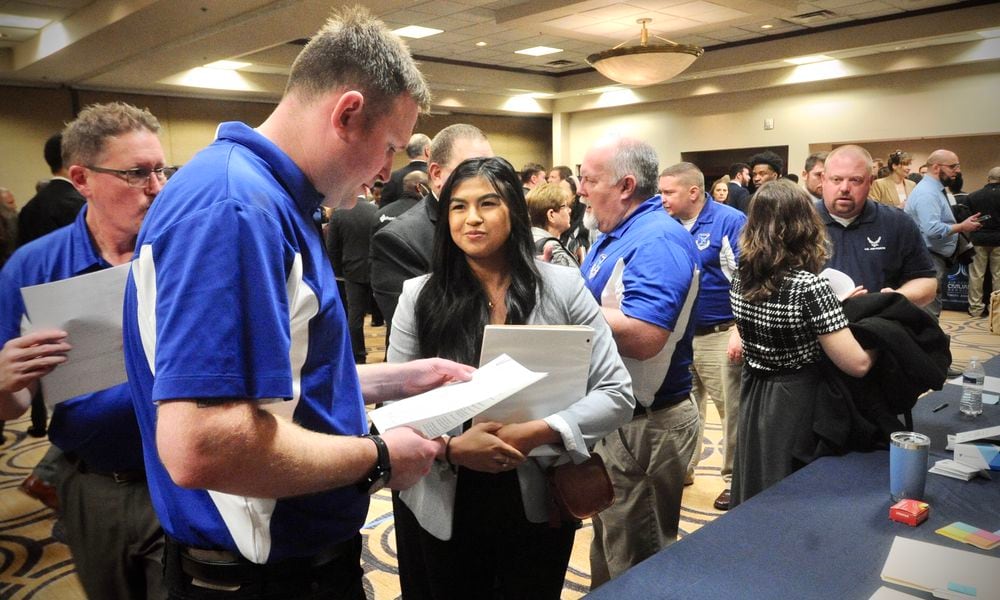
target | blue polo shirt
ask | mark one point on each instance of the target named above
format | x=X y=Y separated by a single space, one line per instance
x=881 y=247
x=716 y=233
x=928 y=206
x=660 y=261
x=99 y=428
x=231 y=295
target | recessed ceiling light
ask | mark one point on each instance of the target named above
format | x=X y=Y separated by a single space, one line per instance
x=767 y=26
x=538 y=51
x=480 y=44
x=805 y=60
x=228 y=65
x=19 y=21
x=416 y=31
x=990 y=33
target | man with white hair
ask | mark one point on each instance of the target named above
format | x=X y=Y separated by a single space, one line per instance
x=644 y=272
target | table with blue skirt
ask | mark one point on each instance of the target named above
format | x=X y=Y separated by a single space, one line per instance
x=824 y=531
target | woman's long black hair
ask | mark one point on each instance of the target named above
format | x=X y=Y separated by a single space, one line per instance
x=453 y=309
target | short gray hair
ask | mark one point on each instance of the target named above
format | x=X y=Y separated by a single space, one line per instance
x=418 y=142
x=444 y=141
x=84 y=139
x=688 y=174
x=638 y=159
x=354 y=49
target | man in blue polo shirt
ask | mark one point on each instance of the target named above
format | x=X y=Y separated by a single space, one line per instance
x=249 y=401
x=716 y=231
x=644 y=272
x=928 y=206
x=877 y=245
x=116 y=162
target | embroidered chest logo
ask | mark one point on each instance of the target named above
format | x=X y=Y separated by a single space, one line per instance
x=875 y=244
x=703 y=240
x=596 y=267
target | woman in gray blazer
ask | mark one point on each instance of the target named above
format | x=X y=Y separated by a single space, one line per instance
x=478 y=525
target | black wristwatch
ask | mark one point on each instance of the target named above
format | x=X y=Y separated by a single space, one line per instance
x=379 y=476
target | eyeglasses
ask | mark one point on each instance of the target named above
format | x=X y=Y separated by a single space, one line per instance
x=138 y=177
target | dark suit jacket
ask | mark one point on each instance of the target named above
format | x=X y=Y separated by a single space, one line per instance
x=393 y=188
x=388 y=214
x=739 y=197
x=987 y=202
x=55 y=206
x=347 y=238
x=402 y=250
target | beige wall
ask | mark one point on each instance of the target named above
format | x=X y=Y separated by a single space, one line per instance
x=953 y=103
x=28 y=116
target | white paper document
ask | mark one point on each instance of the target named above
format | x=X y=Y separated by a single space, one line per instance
x=841 y=283
x=89 y=309
x=942 y=571
x=990 y=386
x=440 y=410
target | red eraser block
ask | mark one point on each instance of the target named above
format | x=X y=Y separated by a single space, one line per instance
x=911 y=512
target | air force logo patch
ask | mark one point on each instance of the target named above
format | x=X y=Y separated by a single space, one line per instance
x=703 y=240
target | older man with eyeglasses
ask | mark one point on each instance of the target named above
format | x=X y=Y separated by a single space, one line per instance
x=929 y=207
x=116 y=162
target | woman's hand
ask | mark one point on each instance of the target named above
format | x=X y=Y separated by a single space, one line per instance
x=480 y=449
x=734 y=349
x=528 y=435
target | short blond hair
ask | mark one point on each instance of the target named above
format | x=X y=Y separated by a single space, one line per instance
x=542 y=199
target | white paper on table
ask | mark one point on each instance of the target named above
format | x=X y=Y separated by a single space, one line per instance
x=89 y=309
x=990 y=385
x=841 y=283
x=934 y=568
x=440 y=410
x=978 y=434
x=884 y=593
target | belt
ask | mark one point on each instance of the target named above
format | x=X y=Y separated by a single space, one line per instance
x=671 y=401
x=228 y=568
x=717 y=328
x=118 y=476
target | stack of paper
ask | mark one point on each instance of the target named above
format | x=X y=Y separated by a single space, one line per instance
x=954 y=469
x=945 y=572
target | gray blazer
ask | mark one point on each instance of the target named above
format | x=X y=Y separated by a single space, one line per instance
x=607 y=406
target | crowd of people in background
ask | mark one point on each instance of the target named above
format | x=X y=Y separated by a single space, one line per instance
x=695 y=292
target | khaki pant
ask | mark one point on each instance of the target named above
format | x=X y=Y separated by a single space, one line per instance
x=714 y=375
x=647 y=460
x=986 y=256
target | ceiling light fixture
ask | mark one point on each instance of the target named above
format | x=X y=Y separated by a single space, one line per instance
x=227 y=65
x=646 y=63
x=416 y=31
x=538 y=51
x=480 y=44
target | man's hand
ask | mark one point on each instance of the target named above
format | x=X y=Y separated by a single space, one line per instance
x=969 y=225
x=422 y=375
x=410 y=455
x=480 y=449
x=861 y=291
x=26 y=359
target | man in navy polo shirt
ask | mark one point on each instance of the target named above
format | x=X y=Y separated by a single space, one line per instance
x=249 y=401
x=716 y=231
x=116 y=162
x=877 y=245
x=644 y=272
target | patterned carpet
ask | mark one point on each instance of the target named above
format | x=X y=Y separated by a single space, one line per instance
x=34 y=565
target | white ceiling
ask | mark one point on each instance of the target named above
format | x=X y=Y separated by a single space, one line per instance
x=150 y=45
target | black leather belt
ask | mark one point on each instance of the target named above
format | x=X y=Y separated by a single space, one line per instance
x=642 y=411
x=227 y=568
x=117 y=476
x=717 y=328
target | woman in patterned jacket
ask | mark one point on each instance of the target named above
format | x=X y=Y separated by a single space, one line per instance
x=788 y=317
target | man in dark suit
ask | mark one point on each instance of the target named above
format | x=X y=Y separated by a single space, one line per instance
x=55 y=205
x=415 y=186
x=347 y=238
x=402 y=249
x=739 y=177
x=418 y=149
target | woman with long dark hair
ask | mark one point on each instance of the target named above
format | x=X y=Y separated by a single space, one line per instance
x=478 y=526
x=788 y=318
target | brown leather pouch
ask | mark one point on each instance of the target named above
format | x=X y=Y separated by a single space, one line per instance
x=579 y=491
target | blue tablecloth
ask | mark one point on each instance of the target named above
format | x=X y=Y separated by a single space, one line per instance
x=823 y=532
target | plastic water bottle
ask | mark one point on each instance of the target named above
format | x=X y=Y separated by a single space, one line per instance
x=972 y=389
